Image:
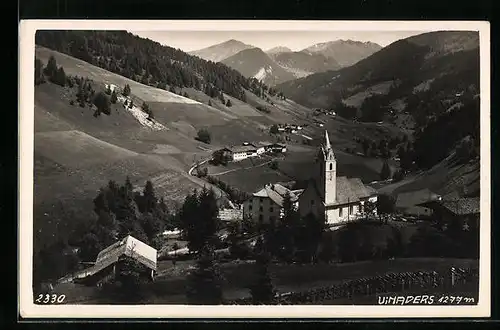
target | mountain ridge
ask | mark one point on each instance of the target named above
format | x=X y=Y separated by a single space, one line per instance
x=221 y=51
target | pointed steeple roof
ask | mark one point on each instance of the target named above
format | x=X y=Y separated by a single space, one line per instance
x=327 y=143
x=327 y=148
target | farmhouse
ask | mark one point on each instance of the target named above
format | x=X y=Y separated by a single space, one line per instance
x=462 y=211
x=408 y=203
x=109 y=260
x=266 y=205
x=242 y=152
x=337 y=199
x=260 y=147
x=277 y=148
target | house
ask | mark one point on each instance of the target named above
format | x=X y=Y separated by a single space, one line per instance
x=409 y=203
x=242 y=152
x=109 y=261
x=337 y=199
x=266 y=205
x=261 y=147
x=277 y=148
x=461 y=211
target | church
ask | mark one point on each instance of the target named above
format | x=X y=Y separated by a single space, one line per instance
x=336 y=198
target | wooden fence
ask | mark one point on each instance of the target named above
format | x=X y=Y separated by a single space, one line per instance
x=388 y=283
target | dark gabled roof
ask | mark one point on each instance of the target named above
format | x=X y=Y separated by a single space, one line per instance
x=462 y=206
x=242 y=148
x=459 y=206
x=277 y=192
x=348 y=190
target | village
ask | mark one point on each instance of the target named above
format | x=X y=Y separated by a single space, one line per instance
x=338 y=200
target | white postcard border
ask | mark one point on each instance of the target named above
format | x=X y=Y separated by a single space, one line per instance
x=28 y=309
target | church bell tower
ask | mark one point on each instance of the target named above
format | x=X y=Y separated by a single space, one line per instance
x=330 y=172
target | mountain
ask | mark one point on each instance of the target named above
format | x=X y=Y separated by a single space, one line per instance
x=257 y=64
x=345 y=52
x=426 y=84
x=219 y=52
x=303 y=64
x=277 y=50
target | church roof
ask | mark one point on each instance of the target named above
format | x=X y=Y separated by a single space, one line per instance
x=348 y=190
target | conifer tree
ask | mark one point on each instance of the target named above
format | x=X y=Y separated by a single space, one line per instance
x=385 y=173
x=205 y=282
x=114 y=97
x=126 y=90
x=51 y=68
x=262 y=290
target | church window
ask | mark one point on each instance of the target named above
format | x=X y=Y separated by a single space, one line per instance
x=250 y=207
x=260 y=209
x=350 y=209
x=331 y=166
x=261 y=217
x=271 y=209
x=340 y=212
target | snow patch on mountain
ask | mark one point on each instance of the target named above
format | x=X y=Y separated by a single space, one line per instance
x=263 y=73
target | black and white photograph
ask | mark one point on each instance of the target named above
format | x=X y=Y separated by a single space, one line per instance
x=334 y=168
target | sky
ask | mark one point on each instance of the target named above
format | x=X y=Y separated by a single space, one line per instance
x=295 y=40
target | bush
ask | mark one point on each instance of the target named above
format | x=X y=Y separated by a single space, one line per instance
x=101 y=101
x=274 y=129
x=204 y=136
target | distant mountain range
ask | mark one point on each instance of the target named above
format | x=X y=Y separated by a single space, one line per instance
x=280 y=64
x=219 y=52
x=255 y=63
x=344 y=52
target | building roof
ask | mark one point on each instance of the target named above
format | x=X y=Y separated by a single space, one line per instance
x=246 y=148
x=276 y=192
x=459 y=206
x=415 y=198
x=348 y=190
x=129 y=246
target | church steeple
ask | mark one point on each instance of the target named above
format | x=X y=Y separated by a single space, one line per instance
x=330 y=172
x=327 y=149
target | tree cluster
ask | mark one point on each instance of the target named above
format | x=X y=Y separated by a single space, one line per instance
x=120 y=212
x=293 y=237
x=449 y=129
x=204 y=136
x=145 y=61
x=54 y=73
